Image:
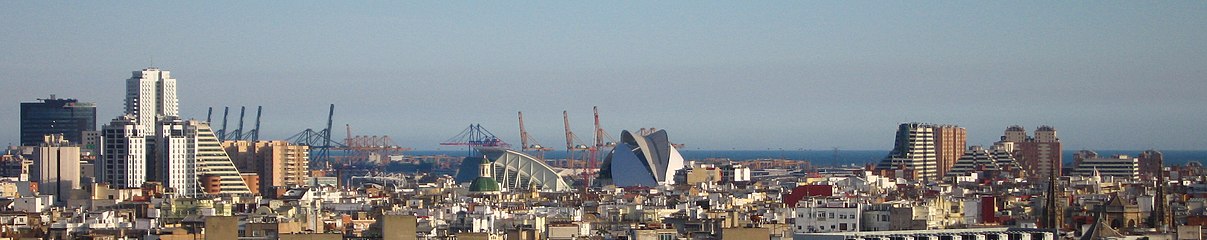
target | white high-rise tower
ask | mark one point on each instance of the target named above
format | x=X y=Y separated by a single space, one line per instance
x=123 y=162
x=152 y=143
x=151 y=96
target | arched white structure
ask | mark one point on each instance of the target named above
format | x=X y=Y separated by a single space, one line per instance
x=516 y=171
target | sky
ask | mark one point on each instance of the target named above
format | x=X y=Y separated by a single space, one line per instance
x=715 y=75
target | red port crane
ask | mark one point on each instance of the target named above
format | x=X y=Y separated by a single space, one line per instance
x=573 y=144
x=526 y=139
x=600 y=144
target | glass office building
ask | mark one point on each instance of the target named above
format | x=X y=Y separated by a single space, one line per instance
x=64 y=116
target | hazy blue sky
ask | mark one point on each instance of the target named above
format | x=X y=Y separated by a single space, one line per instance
x=745 y=75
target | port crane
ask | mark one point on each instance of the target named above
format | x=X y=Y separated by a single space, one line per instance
x=320 y=142
x=527 y=143
x=476 y=137
x=573 y=145
x=601 y=146
x=602 y=142
x=237 y=134
x=364 y=148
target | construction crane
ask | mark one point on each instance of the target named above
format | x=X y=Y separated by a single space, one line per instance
x=525 y=139
x=475 y=137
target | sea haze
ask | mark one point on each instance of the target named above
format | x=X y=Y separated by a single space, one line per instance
x=841 y=157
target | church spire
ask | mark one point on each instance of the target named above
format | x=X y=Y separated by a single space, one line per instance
x=1052 y=215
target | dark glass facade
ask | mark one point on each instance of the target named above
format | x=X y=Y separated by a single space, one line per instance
x=66 y=116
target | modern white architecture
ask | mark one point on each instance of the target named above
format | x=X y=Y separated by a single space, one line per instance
x=174 y=156
x=123 y=162
x=151 y=96
x=641 y=160
x=150 y=142
x=914 y=151
x=211 y=160
x=1120 y=166
x=514 y=170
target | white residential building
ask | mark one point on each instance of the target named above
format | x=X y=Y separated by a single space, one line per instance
x=184 y=155
x=174 y=153
x=123 y=162
x=211 y=159
x=150 y=96
x=827 y=215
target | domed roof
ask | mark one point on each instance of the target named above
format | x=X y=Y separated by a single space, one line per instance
x=484 y=184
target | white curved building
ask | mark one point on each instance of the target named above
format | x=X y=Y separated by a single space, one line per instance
x=514 y=170
x=641 y=160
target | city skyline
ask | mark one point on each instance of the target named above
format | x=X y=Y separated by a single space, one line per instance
x=715 y=76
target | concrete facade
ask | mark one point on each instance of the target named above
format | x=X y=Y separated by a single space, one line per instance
x=221 y=228
x=56 y=167
x=398 y=227
x=1039 y=155
x=277 y=163
x=950 y=142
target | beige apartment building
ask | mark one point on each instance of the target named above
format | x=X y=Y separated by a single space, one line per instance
x=277 y=163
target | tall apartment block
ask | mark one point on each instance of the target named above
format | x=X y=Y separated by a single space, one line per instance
x=151 y=143
x=174 y=164
x=150 y=96
x=123 y=161
x=212 y=163
x=278 y=164
x=1040 y=154
x=1151 y=162
x=56 y=167
x=68 y=117
x=913 y=153
x=950 y=143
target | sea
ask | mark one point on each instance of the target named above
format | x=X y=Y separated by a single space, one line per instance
x=824 y=158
